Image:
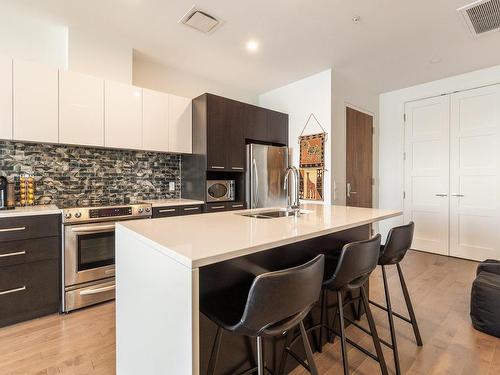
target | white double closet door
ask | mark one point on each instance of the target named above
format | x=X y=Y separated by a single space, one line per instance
x=452 y=173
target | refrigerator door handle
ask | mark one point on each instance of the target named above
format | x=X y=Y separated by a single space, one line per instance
x=255 y=182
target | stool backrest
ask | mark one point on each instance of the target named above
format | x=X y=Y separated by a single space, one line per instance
x=276 y=296
x=357 y=261
x=398 y=243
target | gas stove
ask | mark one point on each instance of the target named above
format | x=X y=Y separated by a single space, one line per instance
x=105 y=213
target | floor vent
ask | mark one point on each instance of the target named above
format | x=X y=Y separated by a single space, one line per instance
x=200 y=20
x=482 y=16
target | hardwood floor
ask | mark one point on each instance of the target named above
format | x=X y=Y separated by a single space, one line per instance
x=83 y=342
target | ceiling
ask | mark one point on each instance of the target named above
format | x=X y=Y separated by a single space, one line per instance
x=397 y=43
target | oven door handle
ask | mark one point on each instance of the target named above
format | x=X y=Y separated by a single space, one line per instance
x=90 y=292
x=94 y=228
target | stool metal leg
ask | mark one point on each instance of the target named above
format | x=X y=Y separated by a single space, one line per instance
x=343 y=342
x=409 y=306
x=373 y=330
x=391 y=323
x=214 y=355
x=284 y=354
x=321 y=320
x=307 y=348
x=260 y=356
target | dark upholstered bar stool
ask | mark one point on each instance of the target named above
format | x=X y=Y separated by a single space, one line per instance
x=392 y=253
x=356 y=262
x=277 y=302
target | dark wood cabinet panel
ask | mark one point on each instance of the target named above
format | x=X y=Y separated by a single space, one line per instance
x=236 y=205
x=277 y=127
x=256 y=123
x=217 y=135
x=215 y=207
x=236 y=124
x=27 y=251
x=190 y=210
x=25 y=227
x=29 y=291
x=165 y=211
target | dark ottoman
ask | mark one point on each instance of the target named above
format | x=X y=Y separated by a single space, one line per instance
x=489 y=265
x=485 y=303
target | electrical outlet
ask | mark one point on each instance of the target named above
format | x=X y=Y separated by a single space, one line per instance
x=171 y=186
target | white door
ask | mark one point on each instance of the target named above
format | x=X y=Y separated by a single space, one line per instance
x=155 y=120
x=427 y=173
x=81 y=109
x=5 y=98
x=35 y=102
x=180 y=124
x=475 y=174
x=122 y=115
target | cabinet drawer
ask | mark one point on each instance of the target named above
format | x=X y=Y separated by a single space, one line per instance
x=216 y=207
x=165 y=211
x=26 y=227
x=236 y=205
x=190 y=210
x=27 y=251
x=28 y=291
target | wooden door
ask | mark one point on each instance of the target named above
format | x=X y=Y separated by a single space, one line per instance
x=217 y=136
x=155 y=126
x=359 y=156
x=427 y=173
x=475 y=174
x=180 y=123
x=277 y=127
x=256 y=127
x=236 y=123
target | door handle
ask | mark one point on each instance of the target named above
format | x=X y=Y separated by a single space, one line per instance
x=458 y=195
x=90 y=292
x=441 y=195
x=94 y=228
x=349 y=191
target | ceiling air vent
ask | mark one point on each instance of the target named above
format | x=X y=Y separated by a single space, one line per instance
x=200 y=20
x=482 y=16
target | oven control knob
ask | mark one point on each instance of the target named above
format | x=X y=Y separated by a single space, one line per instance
x=148 y=209
x=68 y=215
x=78 y=215
x=141 y=210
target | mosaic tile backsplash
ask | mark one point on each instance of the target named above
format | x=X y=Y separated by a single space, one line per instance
x=71 y=176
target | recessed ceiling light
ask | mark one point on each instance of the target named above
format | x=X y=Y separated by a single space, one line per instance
x=252 y=45
x=356 y=19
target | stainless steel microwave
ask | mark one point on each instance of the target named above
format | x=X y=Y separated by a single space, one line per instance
x=220 y=190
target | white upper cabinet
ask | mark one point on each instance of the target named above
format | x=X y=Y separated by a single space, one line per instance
x=180 y=124
x=5 y=98
x=123 y=115
x=35 y=102
x=81 y=109
x=155 y=120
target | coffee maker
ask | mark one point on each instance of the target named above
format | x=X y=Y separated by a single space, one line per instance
x=3 y=193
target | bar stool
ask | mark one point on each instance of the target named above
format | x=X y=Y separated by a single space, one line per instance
x=355 y=264
x=277 y=302
x=398 y=242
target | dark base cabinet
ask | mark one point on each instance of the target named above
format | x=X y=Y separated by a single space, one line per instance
x=30 y=267
x=168 y=211
x=224 y=206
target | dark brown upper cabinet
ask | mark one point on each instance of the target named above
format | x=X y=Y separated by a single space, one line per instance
x=222 y=126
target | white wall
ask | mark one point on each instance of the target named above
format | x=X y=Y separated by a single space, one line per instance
x=32 y=38
x=347 y=92
x=100 y=55
x=299 y=99
x=160 y=77
x=391 y=145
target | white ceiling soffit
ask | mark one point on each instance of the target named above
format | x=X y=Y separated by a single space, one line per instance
x=200 y=20
x=482 y=16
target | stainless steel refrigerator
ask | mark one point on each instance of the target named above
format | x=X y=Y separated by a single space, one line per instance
x=266 y=168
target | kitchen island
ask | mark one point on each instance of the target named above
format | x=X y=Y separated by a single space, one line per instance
x=166 y=268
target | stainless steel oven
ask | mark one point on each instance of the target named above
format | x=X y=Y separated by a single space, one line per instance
x=89 y=252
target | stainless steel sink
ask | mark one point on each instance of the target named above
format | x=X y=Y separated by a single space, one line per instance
x=275 y=214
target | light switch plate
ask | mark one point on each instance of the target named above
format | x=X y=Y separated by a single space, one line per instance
x=171 y=186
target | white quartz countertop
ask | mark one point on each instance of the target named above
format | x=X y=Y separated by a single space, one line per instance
x=200 y=240
x=48 y=209
x=172 y=202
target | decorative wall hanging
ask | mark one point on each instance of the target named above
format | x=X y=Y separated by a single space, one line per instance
x=312 y=162
x=311 y=184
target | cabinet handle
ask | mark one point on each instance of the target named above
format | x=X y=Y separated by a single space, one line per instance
x=237 y=168
x=13 y=229
x=458 y=195
x=169 y=210
x=16 y=290
x=236 y=205
x=217 y=207
x=13 y=254
x=216 y=167
x=441 y=195
x=191 y=209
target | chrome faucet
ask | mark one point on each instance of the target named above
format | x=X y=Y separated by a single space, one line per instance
x=295 y=206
